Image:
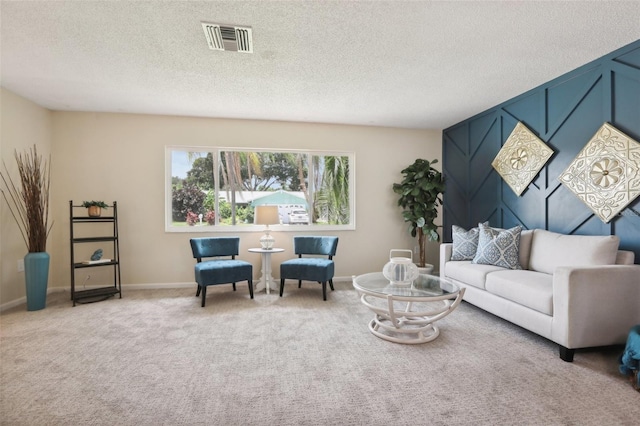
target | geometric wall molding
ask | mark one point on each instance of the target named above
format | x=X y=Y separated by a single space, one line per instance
x=606 y=90
x=521 y=158
x=605 y=175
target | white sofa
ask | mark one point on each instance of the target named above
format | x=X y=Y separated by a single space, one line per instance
x=577 y=291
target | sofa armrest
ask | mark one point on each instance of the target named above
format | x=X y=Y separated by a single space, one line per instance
x=445 y=255
x=595 y=305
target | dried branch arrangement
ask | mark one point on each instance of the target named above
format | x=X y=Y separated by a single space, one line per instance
x=29 y=201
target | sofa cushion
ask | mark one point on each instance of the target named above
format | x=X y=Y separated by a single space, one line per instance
x=524 y=251
x=550 y=250
x=468 y=273
x=465 y=243
x=498 y=247
x=625 y=257
x=527 y=288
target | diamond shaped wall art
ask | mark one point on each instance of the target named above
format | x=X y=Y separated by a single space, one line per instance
x=521 y=158
x=605 y=175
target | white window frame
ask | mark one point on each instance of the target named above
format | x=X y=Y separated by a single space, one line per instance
x=169 y=227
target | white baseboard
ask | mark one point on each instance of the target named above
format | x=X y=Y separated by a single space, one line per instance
x=125 y=287
x=156 y=286
x=23 y=300
x=153 y=286
x=13 y=303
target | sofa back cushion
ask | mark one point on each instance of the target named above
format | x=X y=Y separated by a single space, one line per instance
x=550 y=250
x=625 y=257
x=524 y=252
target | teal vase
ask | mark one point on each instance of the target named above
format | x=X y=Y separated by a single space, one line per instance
x=36 y=274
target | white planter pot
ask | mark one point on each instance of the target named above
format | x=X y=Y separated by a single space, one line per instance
x=427 y=270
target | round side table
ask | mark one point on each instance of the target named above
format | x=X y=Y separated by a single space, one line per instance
x=266 y=279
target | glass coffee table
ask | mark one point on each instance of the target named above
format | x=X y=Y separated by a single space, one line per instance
x=406 y=313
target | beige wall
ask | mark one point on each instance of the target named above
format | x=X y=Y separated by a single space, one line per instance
x=121 y=157
x=23 y=124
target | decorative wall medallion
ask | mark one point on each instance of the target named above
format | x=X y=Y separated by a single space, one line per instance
x=605 y=175
x=521 y=158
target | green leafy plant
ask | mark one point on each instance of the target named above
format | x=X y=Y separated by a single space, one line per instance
x=100 y=204
x=420 y=194
x=28 y=200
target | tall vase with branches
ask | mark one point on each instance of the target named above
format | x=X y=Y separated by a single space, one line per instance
x=420 y=194
x=28 y=202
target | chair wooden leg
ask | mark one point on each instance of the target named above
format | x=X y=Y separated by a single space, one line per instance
x=204 y=294
x=250 y=288
x=234 y=286
x=331 y=284
x=281 y=286
x=324 y=290
x=198 y=291
x=299 y=283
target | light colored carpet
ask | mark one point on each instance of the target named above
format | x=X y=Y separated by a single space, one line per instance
x=157 y=357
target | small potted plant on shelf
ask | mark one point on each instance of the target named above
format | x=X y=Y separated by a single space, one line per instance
x=94 y=208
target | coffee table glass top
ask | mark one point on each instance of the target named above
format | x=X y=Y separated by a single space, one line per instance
x=423 y=286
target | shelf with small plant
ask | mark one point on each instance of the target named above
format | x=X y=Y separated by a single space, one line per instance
x=91 y=231
x=94 y=208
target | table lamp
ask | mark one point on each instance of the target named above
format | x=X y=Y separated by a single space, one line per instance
x=267 y=215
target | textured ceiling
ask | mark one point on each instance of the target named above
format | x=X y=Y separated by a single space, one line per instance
x=412 y=64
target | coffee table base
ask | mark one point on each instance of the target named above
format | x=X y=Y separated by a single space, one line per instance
x=407 y=326
x=383 y=329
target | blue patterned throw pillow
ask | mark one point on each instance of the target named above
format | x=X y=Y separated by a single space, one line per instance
x=465 y=243
x=498 y=247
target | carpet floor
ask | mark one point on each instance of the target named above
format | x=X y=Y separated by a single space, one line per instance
x=155 y=357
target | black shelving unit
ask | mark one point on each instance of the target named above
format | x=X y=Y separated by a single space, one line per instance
x=101 y=293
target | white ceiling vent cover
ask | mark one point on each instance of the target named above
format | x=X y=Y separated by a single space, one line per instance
x=228 y=37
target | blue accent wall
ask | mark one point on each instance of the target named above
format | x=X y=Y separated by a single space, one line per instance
x=565 y=113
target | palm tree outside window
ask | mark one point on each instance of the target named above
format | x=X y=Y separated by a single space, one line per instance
x=215 y=189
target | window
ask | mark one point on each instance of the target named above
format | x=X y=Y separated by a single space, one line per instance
x=217 y=189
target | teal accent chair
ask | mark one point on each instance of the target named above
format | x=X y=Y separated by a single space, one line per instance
x=313 y=268
x=630 y=358
x=224 y=268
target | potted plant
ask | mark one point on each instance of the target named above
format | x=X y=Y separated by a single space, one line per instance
x=210 y=217
x=192 y=218
x=420 y=194
x=94 y=208
x=28 y=202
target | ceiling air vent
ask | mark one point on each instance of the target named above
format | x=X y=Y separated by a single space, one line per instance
x=228 y=37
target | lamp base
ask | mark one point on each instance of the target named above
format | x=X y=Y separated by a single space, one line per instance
x=267 y=241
